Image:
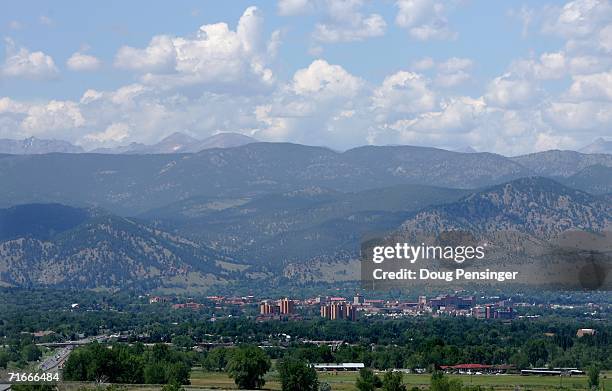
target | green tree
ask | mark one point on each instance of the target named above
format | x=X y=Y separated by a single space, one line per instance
x=392 y=381
x=324 y=386
x=172 y=387
x=247 y=366
x=537 y=352
x=155 y=373
x=183 y=341
x=297 y=375
x=31 y=352
x=439 y=382
x=367 y=380
x=4 y=359
x=593 y=374
x=216 y=360
x=177 y=373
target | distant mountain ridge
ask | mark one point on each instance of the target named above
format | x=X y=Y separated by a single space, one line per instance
x=33 y=145
x=174 y=143
x=598 y=146
x=131 y=184
x=557 y=163
x=181 y=143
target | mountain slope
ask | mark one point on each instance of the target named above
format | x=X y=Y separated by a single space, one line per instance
x=40 y=221
x=561 y=163
x=595 y=179
x=222 y=140
x=296 y=225
x=536 y=206
x=106 y=251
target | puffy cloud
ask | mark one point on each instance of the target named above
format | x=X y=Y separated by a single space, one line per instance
x=593 y=86
x=83 y=62
x=578 y=18
x=159 y=55
x=453 y=72
x=114 y=133
x=325 y=81
x=20 y=62
x=348 y=23
x=216 y=55
x=572 y=116
x=52 y=116
x=318 y=104
x=401 y=93
x=7 y=105
x=459 y=114
x=548 y=66
x=424 y=19
x=508 y=92
x=294 y=7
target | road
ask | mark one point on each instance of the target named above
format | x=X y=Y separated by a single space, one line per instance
x=54 y=362
x=59 y=357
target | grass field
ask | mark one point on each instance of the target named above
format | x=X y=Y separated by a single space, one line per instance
x=344 y=381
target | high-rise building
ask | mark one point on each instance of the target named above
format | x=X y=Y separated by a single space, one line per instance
x=339 y=310
x=358 y=299
x=286 y=306
x=268 y=308
x=350 y=312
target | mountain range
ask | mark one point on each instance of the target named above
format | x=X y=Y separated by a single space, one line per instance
x=201 y=243
x=267 y=210
x=33 y=145
x=129 y=184
x=181 y=143
x=175 y=143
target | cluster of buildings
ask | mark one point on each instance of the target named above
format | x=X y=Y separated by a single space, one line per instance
x=335 y=308
x=489 y=311
x=451 y=305
x=277 y=309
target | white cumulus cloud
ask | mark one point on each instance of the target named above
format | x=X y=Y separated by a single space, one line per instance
x=83 y=62
x=347 y=23
x=216 y=55
x=424 y=19
x=20 y=62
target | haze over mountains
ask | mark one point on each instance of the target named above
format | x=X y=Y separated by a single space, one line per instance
x=262 y=210
x=598 y=146
x=182 y=143
x=33 y=145
x=174 y=143
x=178 y=142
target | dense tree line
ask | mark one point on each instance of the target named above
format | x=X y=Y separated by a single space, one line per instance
x=20 y=350
x=425 y=343
x=121 y=363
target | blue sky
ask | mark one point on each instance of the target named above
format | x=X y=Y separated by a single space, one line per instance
x=509 y=77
